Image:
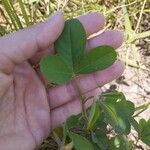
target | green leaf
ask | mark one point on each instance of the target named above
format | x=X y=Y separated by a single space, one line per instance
x=118 y=113
x=120 y=142
x=80 y=142
x=114 y=95
x=55 y=70
x=71 y=43
x=98 y=58
x=71 y=122
x=134 y=123
x=100 y=139
x=144 y=131
x=94 y=115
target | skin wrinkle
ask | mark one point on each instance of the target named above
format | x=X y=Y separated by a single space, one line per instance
x=71 y=88
x=15 y=100
x=38 y=42
x=7 y=65
x=7 y=120
x=71 y=92
x=21 y=80
x=27 y=121
x=16 y=83
x=9 y=80
x=44 y=108
x=64 y=113
x=94 y=78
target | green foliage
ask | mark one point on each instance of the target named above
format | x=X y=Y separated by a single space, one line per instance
x=54 y=69
x=71 y=43
x=70 y=123
x=144 y=131
x=80 y=142
x=94 y=115
x=100 y=139
x=120 y=142
x=118 y=112
x=111 y=110
x=70 y=60
x=98 y=58
x=64 y=68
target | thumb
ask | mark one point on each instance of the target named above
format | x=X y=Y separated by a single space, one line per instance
x=17 y=47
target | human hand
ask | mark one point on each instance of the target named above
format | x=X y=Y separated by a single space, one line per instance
x=28 y=111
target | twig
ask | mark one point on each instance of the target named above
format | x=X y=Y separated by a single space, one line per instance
x=142 y=106
x=140 y=35
x=140 y=17
x=138 y=67
x=139 y=112
x=124 y=5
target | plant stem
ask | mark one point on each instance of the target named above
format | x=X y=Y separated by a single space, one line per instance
x=136 y=115
x=82 y=99
x=140 y=36
x=140 y=17
x=143 y=107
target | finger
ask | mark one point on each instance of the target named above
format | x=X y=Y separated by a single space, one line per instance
x=92 y=22
x=36 y=58
x=20 y=46
x=60 y=95
x=60 y=114
x=112 y=38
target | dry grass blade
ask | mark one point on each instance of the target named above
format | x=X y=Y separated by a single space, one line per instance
x=24 y=12
x=12 y=14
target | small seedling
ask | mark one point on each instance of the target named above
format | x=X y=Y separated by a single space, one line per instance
x=109 y=113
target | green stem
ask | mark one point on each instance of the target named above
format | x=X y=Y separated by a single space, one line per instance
x=143 y=107
x=82 y=99
x=136 y=115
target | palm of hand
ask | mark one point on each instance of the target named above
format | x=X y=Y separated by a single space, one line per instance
x=27 y=110
x=27 y=113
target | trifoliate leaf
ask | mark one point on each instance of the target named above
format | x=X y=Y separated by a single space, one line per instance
x=71 y=60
